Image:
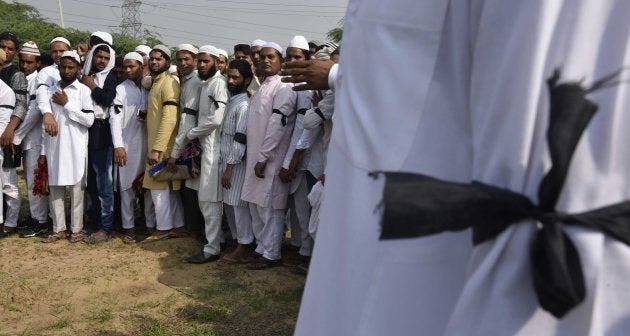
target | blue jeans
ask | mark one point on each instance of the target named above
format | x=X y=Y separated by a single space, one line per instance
x=100 y=188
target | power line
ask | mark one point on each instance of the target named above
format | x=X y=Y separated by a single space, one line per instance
x=131 y=24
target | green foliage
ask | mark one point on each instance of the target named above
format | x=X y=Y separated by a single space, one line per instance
x=335 y=34
x=27 y=23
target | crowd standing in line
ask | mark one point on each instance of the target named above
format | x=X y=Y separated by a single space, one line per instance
x=188 y=140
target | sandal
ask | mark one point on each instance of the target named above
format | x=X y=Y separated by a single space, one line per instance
x=54 y=237
x=98 y=237
x=129 y=237
x=180 y=232
x=78 y=237
x=157 y=235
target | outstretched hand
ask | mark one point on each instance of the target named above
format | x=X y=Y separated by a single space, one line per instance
x=313 y=74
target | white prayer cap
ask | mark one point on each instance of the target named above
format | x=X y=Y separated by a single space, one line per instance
x=223 y=52
x=172 y=69
x=188 y=47
x=29 y=48
x=134 y=56
x=208 y=49
x=164 y=49
x=299 y=42
x=273 y=45
x=257 y=43
x=71 y=54
x=62 y=40
x=145 y=49
x=106 y=37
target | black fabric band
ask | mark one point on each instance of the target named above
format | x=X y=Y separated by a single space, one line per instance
x=87 y=111
x=46 y=85
x=240 y=138
x=32 y=97
x=169 y=103
x=118 y=108
x=20 y=92
x=190 y=111
x=302 y=111
x=216 y=102
x=419 y=205
x=319 y=113
x=8 y=106
x=284 y=117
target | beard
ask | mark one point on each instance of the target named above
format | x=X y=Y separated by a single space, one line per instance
x=209 y=74
x=234 y=90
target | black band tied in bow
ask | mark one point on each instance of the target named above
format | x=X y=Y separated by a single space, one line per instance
x=416 y=205
x=283 y=118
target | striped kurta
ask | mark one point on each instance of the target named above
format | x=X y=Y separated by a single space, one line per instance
x=233 y=152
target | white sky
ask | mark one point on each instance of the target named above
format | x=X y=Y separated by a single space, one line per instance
x=222 y=23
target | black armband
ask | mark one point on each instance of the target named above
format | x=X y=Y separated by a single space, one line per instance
x=240 y=138
x=284 y=117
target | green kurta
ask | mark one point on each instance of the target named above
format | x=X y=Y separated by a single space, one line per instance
x=162 y=121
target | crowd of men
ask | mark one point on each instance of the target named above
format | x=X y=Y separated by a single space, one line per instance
x=252 y=149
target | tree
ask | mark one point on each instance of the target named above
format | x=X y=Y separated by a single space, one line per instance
x=335 y=34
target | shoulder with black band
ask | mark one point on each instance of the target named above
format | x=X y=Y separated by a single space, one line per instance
x=240 y=138
x=284 y=117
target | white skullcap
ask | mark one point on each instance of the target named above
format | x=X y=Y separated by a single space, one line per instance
x=29 y=48
x=145 y=49
x=62 y=40
x=208 y=49
x=134 y=56
x=71 y=54
x=172 y=69
x=299 y=42
x=164 y=49
x=188 y=47
x=257 y=43
x=273 y=45
x=223 y=52
x=107 y=37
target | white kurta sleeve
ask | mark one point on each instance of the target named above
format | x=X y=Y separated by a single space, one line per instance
x=219 y=93
x=235 y=156
x=42 y=95
x=116 y=118
x=32 y=119
x=284 y=108
x=332 y=77
x=308 y=138
x=83 y=114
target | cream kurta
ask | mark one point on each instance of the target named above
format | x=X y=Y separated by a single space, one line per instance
x=162 y=120
x=66 y=153
x=268 y=140
x=189 y=110
x=471 y=102
x=214 y=96
x=128 y=132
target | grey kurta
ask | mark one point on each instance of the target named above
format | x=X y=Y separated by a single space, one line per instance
x=232 y=151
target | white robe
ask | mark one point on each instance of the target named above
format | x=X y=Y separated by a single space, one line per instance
x=128 y=132
x=66 y=153
x=468 y=101
x=208 y=130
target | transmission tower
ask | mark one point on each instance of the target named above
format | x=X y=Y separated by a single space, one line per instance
x=131 y=24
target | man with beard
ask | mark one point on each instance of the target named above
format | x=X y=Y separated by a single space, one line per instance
x=64 y=149
x=162 y=115
x=233 y=145
x=129 y=135
x=98 y=77
x=270 y=122
x=189 y=108
x=29 y=137
x=214 y=96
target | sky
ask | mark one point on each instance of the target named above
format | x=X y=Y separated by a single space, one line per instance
x=222 y=23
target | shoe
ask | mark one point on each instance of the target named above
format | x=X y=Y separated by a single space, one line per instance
x=179 y=232
x=263 y=263
x=78 y=237
x=98 y=237
x=130 y=236
x=201 y=258
x=7 y=231
x=55 y=236
x=158 y=235
x=34 y=231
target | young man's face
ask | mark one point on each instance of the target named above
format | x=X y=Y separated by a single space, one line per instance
x=236 y=82
x=68 y=69
x=100 y=61
x=221 y=63
x=28 y=63
x=255 y=55
x=270 y=62
x=239 y=55
x=294 y=54
x=205 y=65
x=186 y=62
x=56 y=49
x=9 y=48
x=133 y=69
x=158 y=63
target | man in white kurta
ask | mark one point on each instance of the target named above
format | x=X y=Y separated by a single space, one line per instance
x=214 y=95
x=129 y=135
x=7 y=103
x=270 y=122
x=475 y=106
x=65 y=148
x=190 y=85
x=29 y=137
x=233 y=146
